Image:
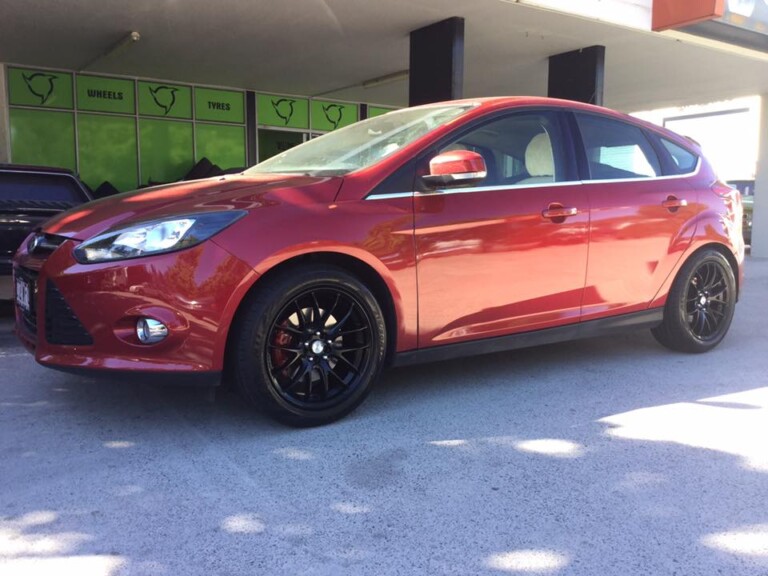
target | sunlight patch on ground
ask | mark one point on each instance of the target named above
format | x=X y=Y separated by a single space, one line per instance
x=735 y=424
x=528 y=561
x=350 y=508
x=551 y=447
x=119 y=444
x=294 y=454
x=243 y=524
x=64 y=565
x=449 y=443
x=748 y=541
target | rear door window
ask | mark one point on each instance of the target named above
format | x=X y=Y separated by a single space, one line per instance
x=616 y=150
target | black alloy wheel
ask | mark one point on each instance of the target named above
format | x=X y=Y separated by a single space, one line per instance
x=700 y=305
x=319 y=347
x=310 y=345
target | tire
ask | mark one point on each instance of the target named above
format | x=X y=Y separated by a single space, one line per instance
x=309 y=345
x=700 y=305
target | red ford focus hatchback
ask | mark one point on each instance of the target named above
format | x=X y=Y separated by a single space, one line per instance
x=431 y=232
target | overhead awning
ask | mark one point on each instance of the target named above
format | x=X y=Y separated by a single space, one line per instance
x=740 y=22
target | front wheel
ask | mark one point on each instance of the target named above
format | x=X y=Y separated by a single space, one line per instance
x=309 y=345
x=700 y=305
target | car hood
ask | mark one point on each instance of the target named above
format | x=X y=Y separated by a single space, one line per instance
x=238 y=192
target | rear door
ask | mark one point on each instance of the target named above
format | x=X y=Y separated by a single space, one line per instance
x=499 y=257
x=640 y=218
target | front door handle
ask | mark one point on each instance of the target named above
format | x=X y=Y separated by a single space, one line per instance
x=672 y=203
x=558 y=213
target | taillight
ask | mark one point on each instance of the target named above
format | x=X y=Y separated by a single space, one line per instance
x=722 y=189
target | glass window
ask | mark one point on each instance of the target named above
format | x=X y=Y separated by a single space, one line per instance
x=19 y=187
x=519 y=149
x=616 y=150
x=684 y=160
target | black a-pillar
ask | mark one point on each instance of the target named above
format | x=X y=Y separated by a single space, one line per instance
x=578 y=75
x=437 y=62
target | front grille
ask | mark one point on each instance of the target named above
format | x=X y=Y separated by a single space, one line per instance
x=62 y=326
x=29 y=317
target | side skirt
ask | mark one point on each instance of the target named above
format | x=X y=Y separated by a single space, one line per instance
x=590 y=329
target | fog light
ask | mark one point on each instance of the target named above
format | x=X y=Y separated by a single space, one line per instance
x=150 y=331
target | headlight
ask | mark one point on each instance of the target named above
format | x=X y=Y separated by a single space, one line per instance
x=155 y=237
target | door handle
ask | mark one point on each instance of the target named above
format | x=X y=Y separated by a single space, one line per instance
x=558 y=213
x=672 y=203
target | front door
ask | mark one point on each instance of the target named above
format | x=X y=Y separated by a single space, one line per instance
x=509 y=254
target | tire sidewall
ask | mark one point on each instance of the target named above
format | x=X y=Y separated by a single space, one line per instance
x=678 y=301
x=253 y=372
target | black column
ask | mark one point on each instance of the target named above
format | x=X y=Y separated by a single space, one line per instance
x=250 y=128
x=437 y=62
x=578 y=75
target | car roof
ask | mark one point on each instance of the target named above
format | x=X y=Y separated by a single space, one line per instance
x=36 y=169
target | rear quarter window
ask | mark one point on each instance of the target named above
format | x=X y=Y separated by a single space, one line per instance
x=683 y=161
x=20 y=187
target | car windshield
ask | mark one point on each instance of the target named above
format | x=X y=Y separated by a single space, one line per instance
x=361 y=144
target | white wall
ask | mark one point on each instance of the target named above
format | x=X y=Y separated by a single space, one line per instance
x=630 y=13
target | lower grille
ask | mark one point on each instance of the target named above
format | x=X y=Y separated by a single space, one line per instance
x=62 y=326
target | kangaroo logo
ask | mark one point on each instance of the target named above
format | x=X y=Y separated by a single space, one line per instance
x=284 y=109
x=333 y=113
x=164 y=97
x=40 y=84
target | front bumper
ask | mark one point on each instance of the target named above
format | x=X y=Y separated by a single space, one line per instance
x=83 y=317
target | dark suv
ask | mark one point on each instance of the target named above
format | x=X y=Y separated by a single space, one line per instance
x=30 y=195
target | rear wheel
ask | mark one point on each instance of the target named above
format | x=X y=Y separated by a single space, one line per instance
x=700 y=305
x=309 y=345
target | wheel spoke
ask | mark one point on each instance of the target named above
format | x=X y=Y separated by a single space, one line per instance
x=329 y=312
x=303 y=322
x=352 y=331
x=285 y=348
x=290 y=329
x=347 y=362
x=285 y=365
x=316 y=315
x=299 y=375
x=324 y=375
x=355 y=349
x=336 y=328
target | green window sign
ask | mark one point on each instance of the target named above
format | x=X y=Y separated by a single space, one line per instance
x=166 y=150
x=43 y=138
x=219 y=105
x=99 y=94
x=108 y=151
x=374 y=111
x=332 y=115
x=39 y=88
x=224 y=146
x=283 y=111
x=167 y=100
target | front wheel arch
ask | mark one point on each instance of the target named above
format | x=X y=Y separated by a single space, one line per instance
x=361 y=270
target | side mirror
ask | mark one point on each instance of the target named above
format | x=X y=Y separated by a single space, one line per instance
x=457 y=167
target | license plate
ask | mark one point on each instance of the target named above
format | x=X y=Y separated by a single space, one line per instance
x=22 y=294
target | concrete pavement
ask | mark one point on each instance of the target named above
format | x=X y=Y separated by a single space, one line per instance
x=610 y=456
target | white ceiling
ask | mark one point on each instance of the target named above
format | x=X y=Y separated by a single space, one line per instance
x=308 y=47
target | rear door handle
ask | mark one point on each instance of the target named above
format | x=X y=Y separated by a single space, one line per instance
x=558 y=211
x=672 y=203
